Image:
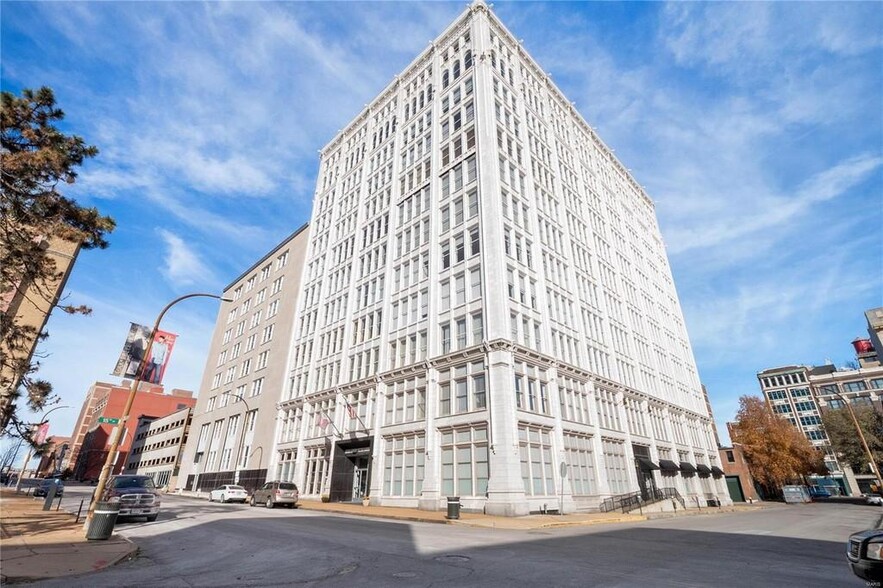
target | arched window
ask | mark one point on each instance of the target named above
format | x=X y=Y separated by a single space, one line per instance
x=445 y=79
x=467 y=59
x=456 y=69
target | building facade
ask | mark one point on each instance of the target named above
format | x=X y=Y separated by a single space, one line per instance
x=52 y=458
x=104 y=403
x=235 y=415
x=799 y=393
x=487 y=309
x=157 y=447
x=29 y=303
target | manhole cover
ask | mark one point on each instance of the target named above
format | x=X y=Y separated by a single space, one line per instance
x=404 y=575
x=453 y=558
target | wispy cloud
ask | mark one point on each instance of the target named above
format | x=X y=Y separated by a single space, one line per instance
x=183 y=266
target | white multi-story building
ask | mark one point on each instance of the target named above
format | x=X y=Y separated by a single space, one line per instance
x=486 y=308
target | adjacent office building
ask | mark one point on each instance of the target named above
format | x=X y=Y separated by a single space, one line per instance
x=29 y=303
x=157 y=447
x=799 y=393
x=99 y=416
x=234 y=420
x=486 y=308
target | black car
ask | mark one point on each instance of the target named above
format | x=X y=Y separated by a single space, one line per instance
x=43 y=488
x=864 y=552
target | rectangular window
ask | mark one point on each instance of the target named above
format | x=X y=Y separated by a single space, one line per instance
x=460 y=289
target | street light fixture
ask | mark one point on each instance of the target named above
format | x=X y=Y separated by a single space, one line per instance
x=24 y=466
x=241 y=436
x=115 y=437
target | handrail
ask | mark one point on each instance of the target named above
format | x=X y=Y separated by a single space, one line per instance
x=632 y=500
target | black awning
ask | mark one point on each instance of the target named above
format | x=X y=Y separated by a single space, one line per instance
x=667 y=465
x=703 y=469
x=717 y=472
x=687 y=467
x=645 y=464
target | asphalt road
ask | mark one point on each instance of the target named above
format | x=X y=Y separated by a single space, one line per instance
x=195 y=543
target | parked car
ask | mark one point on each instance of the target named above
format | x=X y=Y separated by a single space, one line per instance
x=228 y=493
x=864 y=552
x=273 y=493
x=874 y=499
x=137 y=495
x=45 y=485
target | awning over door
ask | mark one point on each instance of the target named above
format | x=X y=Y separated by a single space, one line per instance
x=646 y=465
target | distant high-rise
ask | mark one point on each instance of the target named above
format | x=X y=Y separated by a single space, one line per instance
x=487 y=309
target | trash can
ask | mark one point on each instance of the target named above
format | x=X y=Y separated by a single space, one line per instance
x=103 y=520
x=453 y=507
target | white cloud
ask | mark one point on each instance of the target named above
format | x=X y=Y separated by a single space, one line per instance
x=183 y=266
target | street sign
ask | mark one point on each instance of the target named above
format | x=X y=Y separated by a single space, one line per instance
x=108 y=420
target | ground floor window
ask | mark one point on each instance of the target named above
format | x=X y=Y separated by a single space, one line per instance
x=578 y=449
x=285 y=467
x=317 y=467
x=616 y=467
x=404 y=465
x=464 y=461
x=536 y=460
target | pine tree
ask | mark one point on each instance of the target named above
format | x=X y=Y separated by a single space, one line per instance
x=36 y=159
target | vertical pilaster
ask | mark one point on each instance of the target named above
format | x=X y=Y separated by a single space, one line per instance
x=505 y=486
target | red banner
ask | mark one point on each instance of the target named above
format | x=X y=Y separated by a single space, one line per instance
x=42 y=432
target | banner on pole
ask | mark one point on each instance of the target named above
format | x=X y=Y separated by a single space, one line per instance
x=42 y=432
x=132 y=355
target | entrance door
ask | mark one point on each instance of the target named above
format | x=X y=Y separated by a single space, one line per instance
x=360 y=477
x=734 y=485
x=647 y=483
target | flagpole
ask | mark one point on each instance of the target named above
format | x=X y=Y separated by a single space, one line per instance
x=353 y=413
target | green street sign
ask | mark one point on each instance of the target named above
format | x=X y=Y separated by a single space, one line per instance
x=108 y=420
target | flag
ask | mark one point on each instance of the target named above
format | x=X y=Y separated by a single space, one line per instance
x=351 y=411
x=323 y=423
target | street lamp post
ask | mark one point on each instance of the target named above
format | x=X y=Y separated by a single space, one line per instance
x=24 y=466
x=241 y=437
x=861 y=437
x=115 y=438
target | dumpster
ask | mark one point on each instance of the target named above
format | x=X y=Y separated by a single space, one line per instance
x=103 y=520
x=453 y=507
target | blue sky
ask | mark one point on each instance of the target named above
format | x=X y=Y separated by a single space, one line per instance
x=757 y=128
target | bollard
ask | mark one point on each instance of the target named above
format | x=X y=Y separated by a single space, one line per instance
x=50 y=496
x=57 y=506
x=79 y=510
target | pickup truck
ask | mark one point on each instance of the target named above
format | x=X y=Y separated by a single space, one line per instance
x=137 y=495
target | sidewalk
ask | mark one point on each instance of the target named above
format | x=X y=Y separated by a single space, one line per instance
x=38 y=544
x=469 y=519
x=526 y=523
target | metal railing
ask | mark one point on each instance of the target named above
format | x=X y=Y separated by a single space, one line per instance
x=636 y=500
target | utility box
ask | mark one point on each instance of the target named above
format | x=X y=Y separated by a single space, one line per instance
x=796 y=494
